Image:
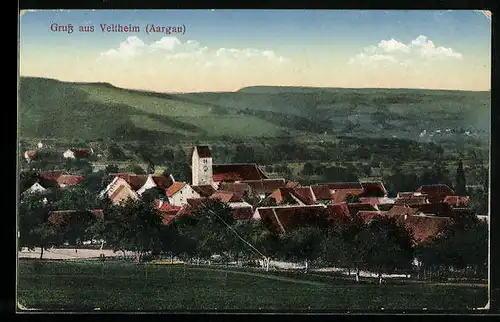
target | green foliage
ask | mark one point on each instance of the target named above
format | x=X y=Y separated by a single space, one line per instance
x=460 y=184
x=303 y=243
x=133 y=225
x=111 y=168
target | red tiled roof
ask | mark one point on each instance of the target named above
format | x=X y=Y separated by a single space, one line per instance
x=166 y=207
x=322 y=192
x=425 y=227
x=68 y=179
x=162 y=181
x=30 y=154
x=194 y=202
x=204 y=190
x=437 y=192
x=344 y=185
x=237 y=172
x=136 y=181
x=405 y=194
x=242 y=213
x=169 y=218
x=414 y=200
x=174 y=188
x=338 y=213
x=439 y=209
x=306 y=192
x=238 y=190
x=203 y=151
x=291 y=184
x=97 y=212
x=355 y=207
x=457 y=201
x=265 y=186
x=385 y=206
x=50 y=175
x=374 y=200
x=223 y=196
x=401 y=211
x=373 y=189
x=369 y=215
x=340 y=195
x=287 y=218
x=288 y=196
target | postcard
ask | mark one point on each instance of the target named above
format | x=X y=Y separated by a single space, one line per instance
x=243 y=161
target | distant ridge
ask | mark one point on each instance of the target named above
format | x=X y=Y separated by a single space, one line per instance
x=264 y=89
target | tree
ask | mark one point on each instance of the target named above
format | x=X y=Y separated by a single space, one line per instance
x=352 y=198
x=181 y=171
x=463 y=245
x=32 y=222
x=213 y=228
x=137 y=169
x=133 y=225
x=244 y=154
x=73 y=227
x=303 y=244
x=95 y=182
x=154 y=193
x=460 y=189
x=111 y=168
x=389 y=247
x=308 y=169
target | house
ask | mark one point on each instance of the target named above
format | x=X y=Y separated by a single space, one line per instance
x=204 y=190
x=368 y=215
x=457 y=201
x=136 y=181
x=424 y=227
x=118 y=191
x=436 y=192
x=29 y=155
x=66 y=180
x=263 y=188
x=413 y=200
x=307 y=192
x=441 y=209
x=78 y=153
x=50 y=175
x=354 y=208
x=377 y=200
x=401 y=211
x=237 y=172
x=336 y=192
x=35 y=188
x=179 y=192
x=238 y=189
x=282 y=219
x=155 y=181
x=287 y=196
x=373 y=189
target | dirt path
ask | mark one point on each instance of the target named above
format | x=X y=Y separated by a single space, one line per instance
x=268 y=276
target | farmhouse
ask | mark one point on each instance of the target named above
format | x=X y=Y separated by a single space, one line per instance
x=119 y=190
x=77 y=153
x=29 y=155
x=179 y=192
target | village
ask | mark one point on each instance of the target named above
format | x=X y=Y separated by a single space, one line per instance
x=280 y=204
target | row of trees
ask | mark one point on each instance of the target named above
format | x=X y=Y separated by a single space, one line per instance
x=383 y=245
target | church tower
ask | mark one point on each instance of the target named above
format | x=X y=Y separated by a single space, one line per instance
x=201 y=166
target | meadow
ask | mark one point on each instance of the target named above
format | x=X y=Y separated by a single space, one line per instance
x=123 y=286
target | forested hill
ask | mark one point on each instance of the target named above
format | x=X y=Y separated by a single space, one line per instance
x=91 y=111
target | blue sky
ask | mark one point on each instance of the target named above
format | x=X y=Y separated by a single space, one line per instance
x=314 y=43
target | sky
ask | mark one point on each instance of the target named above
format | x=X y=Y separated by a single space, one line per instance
x=225 y=50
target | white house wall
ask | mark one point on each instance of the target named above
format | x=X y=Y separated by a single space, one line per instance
x=180 y=197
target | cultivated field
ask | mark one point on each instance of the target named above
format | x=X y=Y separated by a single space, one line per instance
x=121 y=285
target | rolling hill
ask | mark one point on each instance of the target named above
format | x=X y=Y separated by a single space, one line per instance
x=90 y=111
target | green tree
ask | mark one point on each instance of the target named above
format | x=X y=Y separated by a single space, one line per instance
x=303 y=244
x=111 y=168
x=133 y=225
x=137 y=169
x=389 y=247
x=460 y=189
x=33 y=229
x=73 y=228
x=308 y=169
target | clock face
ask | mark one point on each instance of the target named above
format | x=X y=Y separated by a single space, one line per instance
x=205 y=168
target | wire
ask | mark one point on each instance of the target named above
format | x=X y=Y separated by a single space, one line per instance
x=235 y=232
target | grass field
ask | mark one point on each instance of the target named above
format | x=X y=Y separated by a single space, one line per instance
x=115 y=285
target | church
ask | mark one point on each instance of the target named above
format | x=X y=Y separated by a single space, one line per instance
x=206 y=173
